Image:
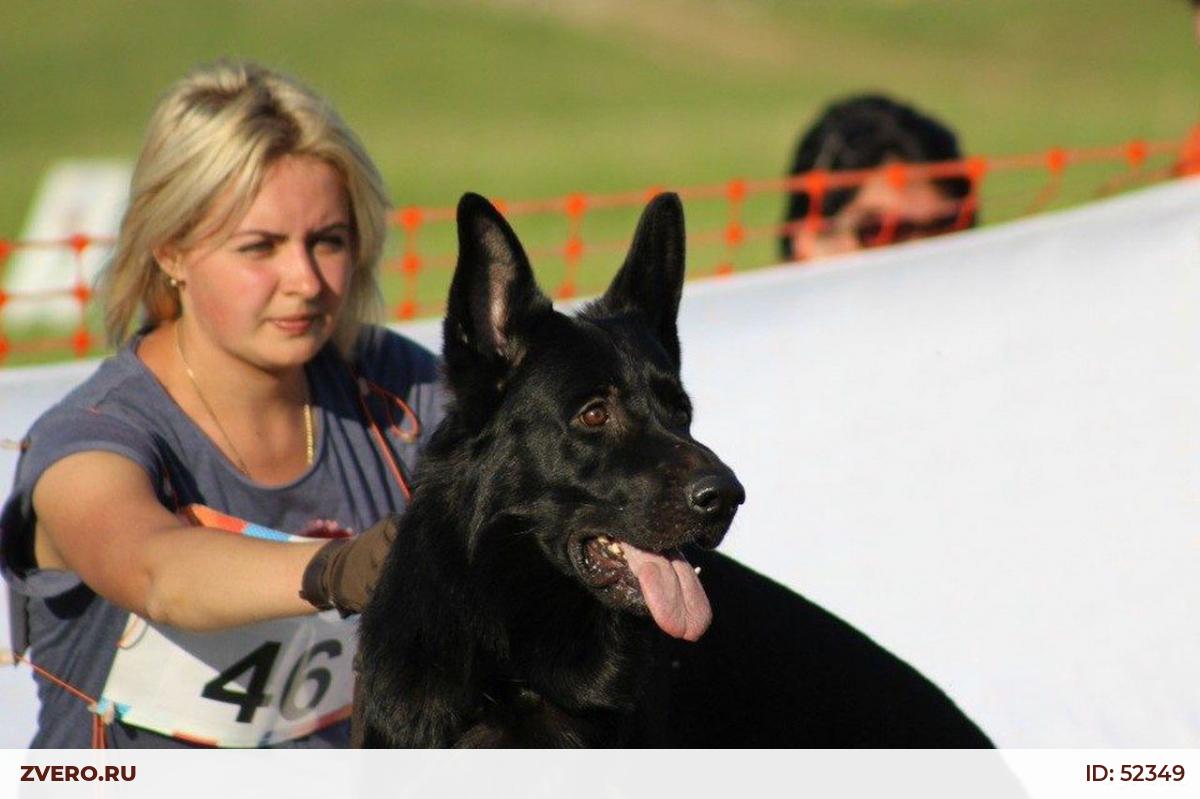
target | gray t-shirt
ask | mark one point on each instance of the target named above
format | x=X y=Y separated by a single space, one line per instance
x=122 y=408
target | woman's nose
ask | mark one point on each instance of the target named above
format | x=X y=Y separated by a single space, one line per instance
x=301 y=273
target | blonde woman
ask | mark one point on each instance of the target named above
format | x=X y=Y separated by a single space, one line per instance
x=168 y=538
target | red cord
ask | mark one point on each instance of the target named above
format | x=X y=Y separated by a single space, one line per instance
x=409 y=435
x=99 y=736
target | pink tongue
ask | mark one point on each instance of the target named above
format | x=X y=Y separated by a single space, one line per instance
x=672 y=591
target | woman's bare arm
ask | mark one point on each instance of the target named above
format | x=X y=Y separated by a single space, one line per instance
x=98 y=516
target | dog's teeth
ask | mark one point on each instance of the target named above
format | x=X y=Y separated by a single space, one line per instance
x=615 y=549
x=696 y=569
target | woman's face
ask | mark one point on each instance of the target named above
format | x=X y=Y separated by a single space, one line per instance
x=881 y=213
x=270 y=293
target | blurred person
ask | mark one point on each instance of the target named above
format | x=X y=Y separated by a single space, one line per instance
x=865 y=132
x=245 y=402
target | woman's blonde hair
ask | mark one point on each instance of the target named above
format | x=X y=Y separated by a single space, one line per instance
x=213 y=137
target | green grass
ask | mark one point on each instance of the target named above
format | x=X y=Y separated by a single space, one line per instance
x=521 y=99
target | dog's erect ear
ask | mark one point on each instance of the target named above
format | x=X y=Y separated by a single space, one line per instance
x=493 y=296
x=651 y=280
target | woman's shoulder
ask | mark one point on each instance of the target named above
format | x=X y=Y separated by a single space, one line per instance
x=118 y=386
x=384 y=356
x=110 y=409
x=387 y=363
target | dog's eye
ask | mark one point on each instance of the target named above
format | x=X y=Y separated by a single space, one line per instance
x=594 y=415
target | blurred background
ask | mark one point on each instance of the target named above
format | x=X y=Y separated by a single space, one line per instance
x=529 y=99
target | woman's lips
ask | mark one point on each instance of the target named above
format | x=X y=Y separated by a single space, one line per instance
x=295 y=325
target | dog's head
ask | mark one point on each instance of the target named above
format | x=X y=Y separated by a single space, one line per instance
x=582 y=422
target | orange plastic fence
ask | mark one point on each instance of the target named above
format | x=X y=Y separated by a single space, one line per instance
x=415 y=259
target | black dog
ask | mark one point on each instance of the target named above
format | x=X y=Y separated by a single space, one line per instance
x=538 y=564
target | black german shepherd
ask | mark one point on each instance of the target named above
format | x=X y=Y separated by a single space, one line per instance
x=538 y=565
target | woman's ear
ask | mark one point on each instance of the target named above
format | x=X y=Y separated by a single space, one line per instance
x=170 y=261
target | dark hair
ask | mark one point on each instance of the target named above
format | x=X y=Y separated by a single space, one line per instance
x=862 y=132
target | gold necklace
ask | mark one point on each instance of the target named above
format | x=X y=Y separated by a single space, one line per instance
x=308 y=434
x=237 y=457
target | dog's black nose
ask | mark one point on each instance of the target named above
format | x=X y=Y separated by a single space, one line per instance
x=715 y=494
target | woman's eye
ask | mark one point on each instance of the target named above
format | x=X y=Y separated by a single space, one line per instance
x=331 y=243
x=260 y=247
x=594 y=415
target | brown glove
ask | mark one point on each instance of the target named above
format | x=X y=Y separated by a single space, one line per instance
x=342 y=574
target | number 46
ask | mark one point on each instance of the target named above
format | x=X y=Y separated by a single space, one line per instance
x=259 y=663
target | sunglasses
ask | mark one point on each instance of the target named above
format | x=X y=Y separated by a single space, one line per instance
x=875 y=230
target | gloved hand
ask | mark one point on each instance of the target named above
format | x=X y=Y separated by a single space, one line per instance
x=342 y=574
